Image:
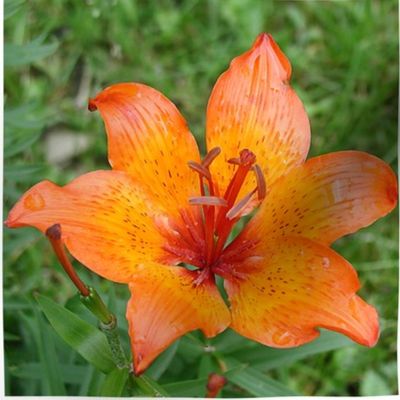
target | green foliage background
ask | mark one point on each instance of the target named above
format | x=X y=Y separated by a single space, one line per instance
x=344 y=56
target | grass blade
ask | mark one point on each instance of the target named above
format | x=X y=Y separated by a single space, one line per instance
x=87 y=340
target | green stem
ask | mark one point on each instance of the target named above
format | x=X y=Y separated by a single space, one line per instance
x=108 y=325
x=111 y=332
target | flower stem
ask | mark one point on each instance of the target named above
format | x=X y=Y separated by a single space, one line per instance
x=107 y=324
x=111 y=332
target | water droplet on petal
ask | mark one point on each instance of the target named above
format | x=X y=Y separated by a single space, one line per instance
x=325 y=262
x=34 y=202
x=140 y=340
x=281 y=339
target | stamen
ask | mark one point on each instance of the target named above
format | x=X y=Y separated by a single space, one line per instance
x=210 y=156
x=235 y=161
x=54 y=235
x=240 y=206
x=208 y=201
x=261 y=185
x=200 y=169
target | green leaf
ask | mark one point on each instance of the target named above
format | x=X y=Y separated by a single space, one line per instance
x=189 y=388
x=205 y=366
x=149 y=387
x=19 y=55
x=162 y=362
x=267 y=358
x=27 y=116
x=11 y=7
x=114 y=384
x=229 y=341
x=70 y=373
x=373 y=384
x=20 y=173
x=87 y=340
x=254 y=381
x=17 y=144
x=51 y=379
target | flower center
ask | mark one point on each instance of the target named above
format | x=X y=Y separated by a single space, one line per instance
x=220 y=213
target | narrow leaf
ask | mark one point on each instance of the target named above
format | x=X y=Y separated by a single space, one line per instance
x=189 y=388
x=87 y=340
x=162 y=362
x=18 y=55
x=114 y=384
x=21 y=173
x=11 y=7
x=254 y=381
x=149 y=387
x=266 y=358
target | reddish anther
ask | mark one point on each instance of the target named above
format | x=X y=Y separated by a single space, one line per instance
x=235 y=211
x=210 y=157
x=234 y=161
x=208 y=201
x=261 y=185
x=203 y=171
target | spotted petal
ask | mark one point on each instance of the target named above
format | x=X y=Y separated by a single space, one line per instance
x=292 y=287
x=149 y=139
x=166 y=304
x=252 y=106
x=327 y=197
x=107 y=221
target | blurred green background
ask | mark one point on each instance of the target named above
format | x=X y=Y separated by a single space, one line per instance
x=344 y=56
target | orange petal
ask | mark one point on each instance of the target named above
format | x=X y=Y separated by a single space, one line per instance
x=294 y=286
x=149 y=139
x=252 y=106
x=166 y=304
x=328 y=197
x=106 y=221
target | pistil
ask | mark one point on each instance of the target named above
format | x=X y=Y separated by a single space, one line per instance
x=220 y=214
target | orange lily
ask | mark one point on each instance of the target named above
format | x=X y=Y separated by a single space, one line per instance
x=142 y=221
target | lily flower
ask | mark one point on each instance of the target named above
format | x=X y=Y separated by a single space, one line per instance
x=162 y=208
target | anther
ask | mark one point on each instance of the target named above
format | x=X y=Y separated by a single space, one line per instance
x=235 y=211
x=208 y=201
x=210 y=156
x=235 y=161
x=261 y=185
x=200 y=169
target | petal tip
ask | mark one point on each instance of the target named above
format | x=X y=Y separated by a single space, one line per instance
x=392 y=193
x=266 y=42
x=262 y=40
x=118 y=92
x=140 y=364
x=9 y=223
